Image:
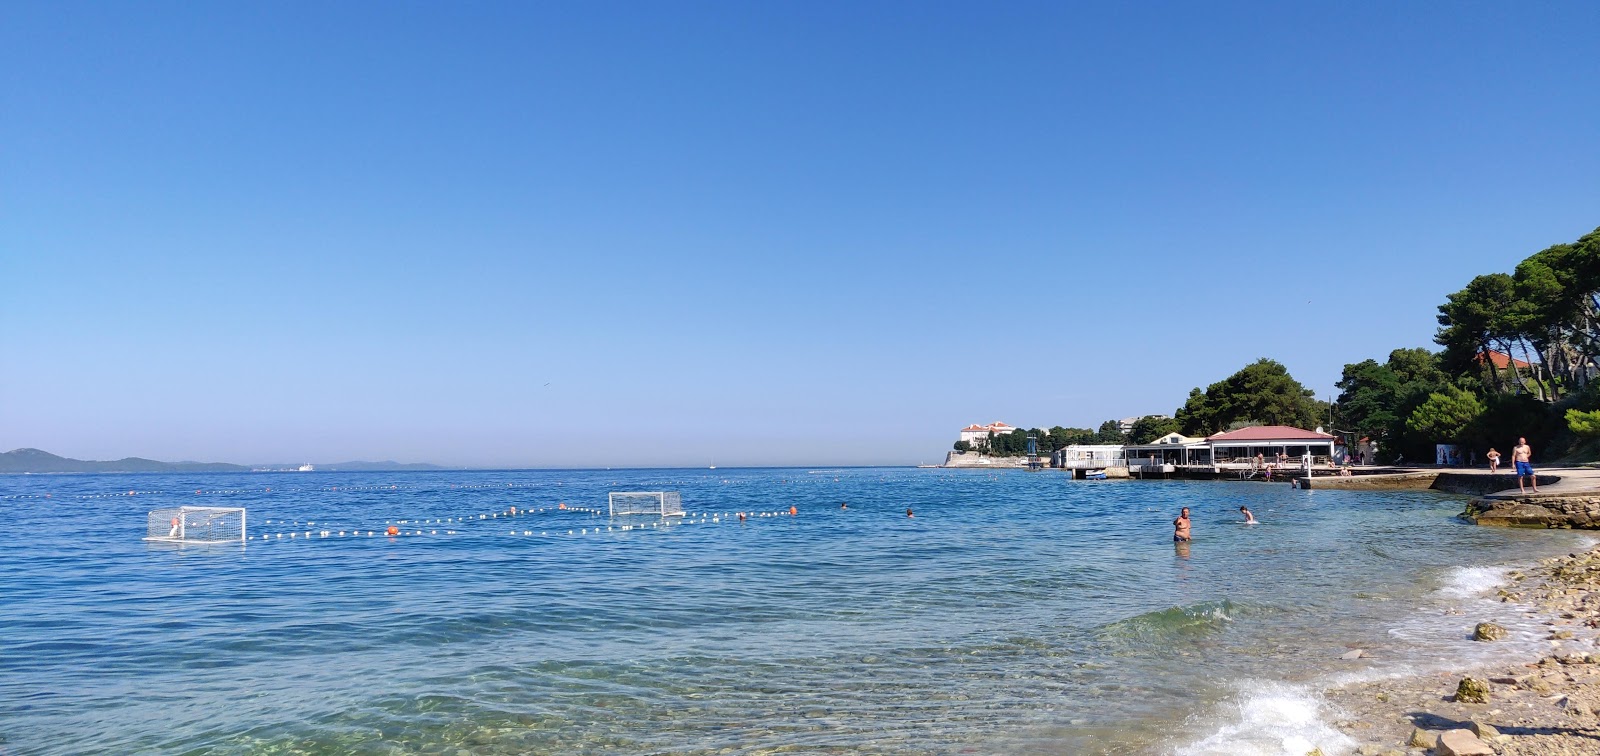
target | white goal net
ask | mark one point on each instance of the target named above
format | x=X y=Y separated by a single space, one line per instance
x=663 y=503
x=197 y=525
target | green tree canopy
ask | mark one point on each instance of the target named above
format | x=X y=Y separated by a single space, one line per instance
x=1446 y=414
x=1150 y=428
x=1263 y=392
x=1110 y=433
x=1586 y=424
x=1377 y=399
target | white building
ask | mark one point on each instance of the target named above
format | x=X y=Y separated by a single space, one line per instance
x=972 y=434
x=1126 y=424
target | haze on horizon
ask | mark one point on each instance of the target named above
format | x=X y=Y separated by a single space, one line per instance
x=605 y=234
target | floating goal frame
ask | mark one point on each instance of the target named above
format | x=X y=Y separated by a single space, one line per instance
x=664 y=503
x=196 y=525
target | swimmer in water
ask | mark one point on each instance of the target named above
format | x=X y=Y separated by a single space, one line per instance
x=1249 y=518
x=1181 y=528
x=908 y=512
x=843 y=505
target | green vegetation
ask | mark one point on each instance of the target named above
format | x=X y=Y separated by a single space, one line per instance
x=1519 y=357
x=1446 y=415
x=1520 y=353
x=1152 y=427
x=1263 y=393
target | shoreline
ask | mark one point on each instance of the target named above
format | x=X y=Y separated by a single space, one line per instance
x=1542 y=704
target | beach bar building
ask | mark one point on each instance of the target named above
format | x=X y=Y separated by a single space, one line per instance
x=1241 y=448
x=1245 y=450
x=1084 y=457
x=1168 y=454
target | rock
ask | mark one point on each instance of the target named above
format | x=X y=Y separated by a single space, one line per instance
x=1503 y=680
x=1421 y=738
x=1488 y=631
x=1355 y=654
x=1461 y=743
x=1560 y=635
x=1471 y=690
x=1482 y=730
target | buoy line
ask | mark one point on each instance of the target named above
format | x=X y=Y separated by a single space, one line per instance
x=392 y=529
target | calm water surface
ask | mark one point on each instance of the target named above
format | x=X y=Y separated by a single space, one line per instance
x=1016 y=612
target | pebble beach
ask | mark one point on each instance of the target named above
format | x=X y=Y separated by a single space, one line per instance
x=1545 y=706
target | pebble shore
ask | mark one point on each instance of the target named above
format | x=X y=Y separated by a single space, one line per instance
x=1546 y=707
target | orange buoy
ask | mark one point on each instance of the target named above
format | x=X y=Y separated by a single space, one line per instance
x=562 y=505
x=394 y=531
x=793 y=511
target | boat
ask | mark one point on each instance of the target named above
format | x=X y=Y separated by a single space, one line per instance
x=1094 y=474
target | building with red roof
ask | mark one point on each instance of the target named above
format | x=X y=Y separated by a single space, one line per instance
x=974 y=433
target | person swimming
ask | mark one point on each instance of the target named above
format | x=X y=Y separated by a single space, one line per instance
x=1249 y=517
x=1181 y=532
x=908 y=512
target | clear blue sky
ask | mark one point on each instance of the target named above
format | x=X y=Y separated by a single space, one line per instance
x=806 y=233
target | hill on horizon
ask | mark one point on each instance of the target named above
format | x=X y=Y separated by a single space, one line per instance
x=28 y=460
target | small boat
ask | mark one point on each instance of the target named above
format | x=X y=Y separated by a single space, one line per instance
x=1094 y=475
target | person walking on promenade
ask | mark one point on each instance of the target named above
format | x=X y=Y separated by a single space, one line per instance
x=1522 y=457
x=1494 y=460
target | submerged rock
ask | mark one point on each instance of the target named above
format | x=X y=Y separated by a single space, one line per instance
x=1472 y=690
x=1488 y=631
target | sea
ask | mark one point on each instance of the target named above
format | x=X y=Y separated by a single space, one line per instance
x=892 y=611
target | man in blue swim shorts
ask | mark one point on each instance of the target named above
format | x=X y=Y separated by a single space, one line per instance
x=1522 y=457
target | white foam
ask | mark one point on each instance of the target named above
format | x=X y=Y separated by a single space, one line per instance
x=1272 y=719
x=1471 y=582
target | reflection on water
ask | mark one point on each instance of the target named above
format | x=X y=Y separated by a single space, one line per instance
x=1014 y=612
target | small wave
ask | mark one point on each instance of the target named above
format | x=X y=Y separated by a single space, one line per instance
x=1470 y=582
x=1203 y=618
x=1271 y=719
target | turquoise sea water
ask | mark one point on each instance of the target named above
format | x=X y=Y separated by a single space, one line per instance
x=1017 y=612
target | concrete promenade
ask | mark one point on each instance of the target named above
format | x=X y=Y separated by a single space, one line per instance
x=1568 y=497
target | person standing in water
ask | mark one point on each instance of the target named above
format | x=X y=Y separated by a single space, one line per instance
x=1249 y=518
x=1181 y=527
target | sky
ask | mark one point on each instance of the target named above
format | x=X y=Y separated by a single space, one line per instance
x=590 y=234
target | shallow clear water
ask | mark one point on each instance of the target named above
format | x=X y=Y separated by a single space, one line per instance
x=1015 y=612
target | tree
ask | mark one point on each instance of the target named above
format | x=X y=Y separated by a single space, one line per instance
x=1110 y=433
x=1062 y=437
x=1376 y=400
x=1263 y=392
x=1150 y=428
x=1446 y=414
x=1586 y=424
x=963 y=446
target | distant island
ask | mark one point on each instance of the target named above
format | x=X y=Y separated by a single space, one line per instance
x=38 y=461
